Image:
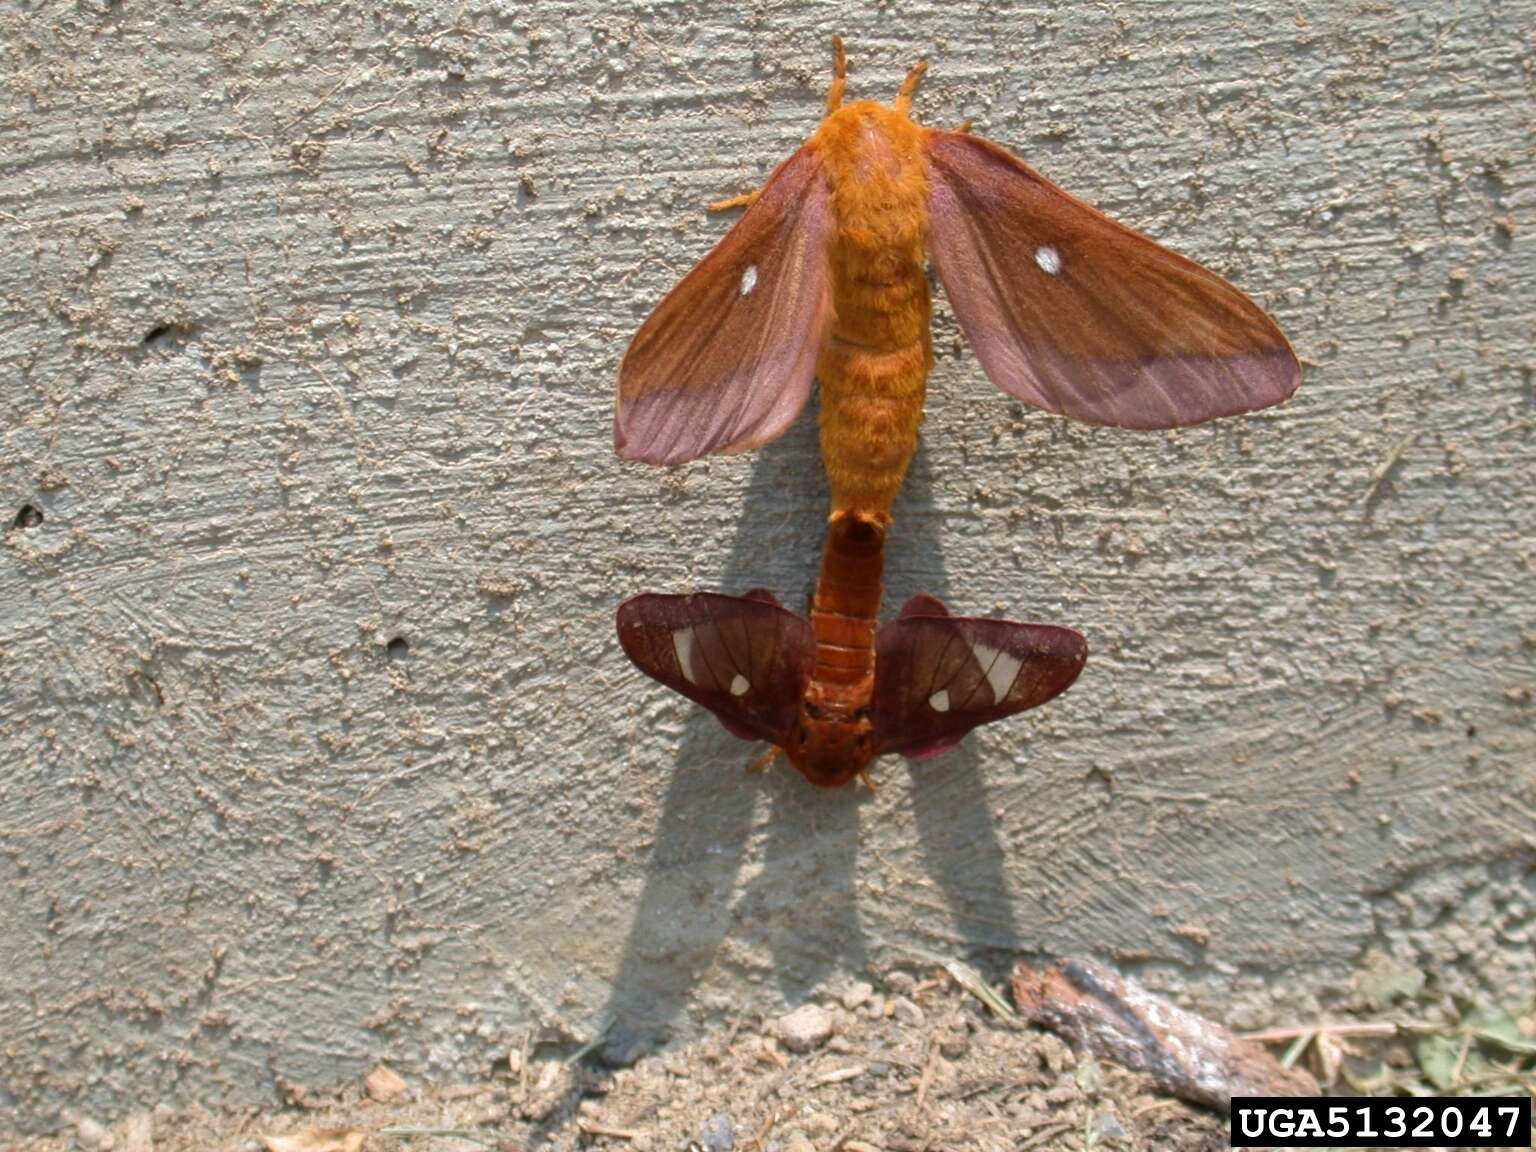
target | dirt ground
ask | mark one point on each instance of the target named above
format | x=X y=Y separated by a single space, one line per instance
x=913 y=1066
x=914 y=1061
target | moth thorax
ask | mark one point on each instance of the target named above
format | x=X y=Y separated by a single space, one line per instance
x=830 y=747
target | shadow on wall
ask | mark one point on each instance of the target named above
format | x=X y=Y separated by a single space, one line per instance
x=802 y=905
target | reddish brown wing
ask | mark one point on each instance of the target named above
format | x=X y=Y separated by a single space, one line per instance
x=938 y=676
x=744 y=658
x=725 y=362
x=1076 y=314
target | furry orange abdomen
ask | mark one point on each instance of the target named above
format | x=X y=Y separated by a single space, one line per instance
x=874 y=370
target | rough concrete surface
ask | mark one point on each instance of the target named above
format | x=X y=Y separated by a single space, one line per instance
x=318 y=746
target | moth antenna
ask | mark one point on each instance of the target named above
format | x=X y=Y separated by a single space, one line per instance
x=839 y=75
x=903 y=102
x=745 y=200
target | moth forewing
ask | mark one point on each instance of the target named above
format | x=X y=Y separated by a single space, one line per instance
x=1076 y=314
x=743 y=657
x=939 y=676
x=726 y=360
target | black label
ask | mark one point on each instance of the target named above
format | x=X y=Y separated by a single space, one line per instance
x=1391 y=1122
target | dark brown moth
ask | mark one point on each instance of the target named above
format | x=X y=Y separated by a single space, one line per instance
x=834 y=693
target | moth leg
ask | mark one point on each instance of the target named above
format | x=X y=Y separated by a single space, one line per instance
x=868 y=783
x=964 y=129
x=745 y=200
x=839 y=75
x=766 y=760
x=903 y=102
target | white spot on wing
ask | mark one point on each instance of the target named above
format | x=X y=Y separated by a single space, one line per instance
x=682 y=644
x=1049 y=259
x=739 y=685
x=939 y=701
x=749 y=279
x=1001 y=668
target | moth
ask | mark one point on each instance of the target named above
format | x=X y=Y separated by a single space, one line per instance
x=812 y=689
x=824 y=277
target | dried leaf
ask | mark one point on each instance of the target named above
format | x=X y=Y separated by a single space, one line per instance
x=969 y=979
x=318 y=1140
x=1438 y=1057
x=1495 y=1026
x=1328 y=1053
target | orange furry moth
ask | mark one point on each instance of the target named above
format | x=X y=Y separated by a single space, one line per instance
x=823 y=276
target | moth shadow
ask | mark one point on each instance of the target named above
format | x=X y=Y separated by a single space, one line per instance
x=798 y=906
x=797 y=911
x=956 y=832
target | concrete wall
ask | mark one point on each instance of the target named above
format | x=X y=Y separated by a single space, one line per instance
x=317 y=743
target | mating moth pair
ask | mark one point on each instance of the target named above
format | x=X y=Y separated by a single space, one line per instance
x=824 y=276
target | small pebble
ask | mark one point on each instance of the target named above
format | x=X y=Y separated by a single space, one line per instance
x=383 y=1084
x=89 y=1134
x=1109 y=1126
x=717 y=1134
x=820 y=1124
x=908 y=1012
x=799 y=1144
x=857 y=994
x=806 y=1028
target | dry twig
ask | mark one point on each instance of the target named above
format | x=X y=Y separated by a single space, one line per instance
x=1116 y=1019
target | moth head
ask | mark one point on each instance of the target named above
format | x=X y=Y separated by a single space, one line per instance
x=830 y=750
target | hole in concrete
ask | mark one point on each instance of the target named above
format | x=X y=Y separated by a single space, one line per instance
x=29 y=516
x=397 y=648
x=157 y=333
